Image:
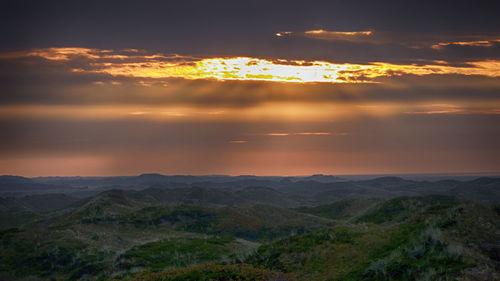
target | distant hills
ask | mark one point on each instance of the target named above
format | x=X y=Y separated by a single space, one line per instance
x=156 y=227
x=289 y=191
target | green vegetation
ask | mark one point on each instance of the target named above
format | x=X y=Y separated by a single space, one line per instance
x=25 y=254
x=400 y=209
x=143 y=236
x=210 y=272
x=179 y=252
x=255 y=223
x=341 y=210
x=424 y=238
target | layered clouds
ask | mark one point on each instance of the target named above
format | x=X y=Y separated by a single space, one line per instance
x=287 y=94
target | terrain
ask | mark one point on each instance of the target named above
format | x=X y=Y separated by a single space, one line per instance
x=156 y=227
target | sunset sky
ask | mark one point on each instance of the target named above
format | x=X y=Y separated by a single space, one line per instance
x=95 y=88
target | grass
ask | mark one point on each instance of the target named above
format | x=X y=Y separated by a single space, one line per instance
x=408 y=238
x=179 y=252
x=211 y=272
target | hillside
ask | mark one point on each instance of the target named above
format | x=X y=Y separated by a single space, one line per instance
x=15 y=211
x=260 y=232
x=429 y=238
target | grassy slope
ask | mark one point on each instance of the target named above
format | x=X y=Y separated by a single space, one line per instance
x=342 y=209
x=429 y=238
x=209 y=272
x=114 y=233
x=15 y=212
x=432 y=237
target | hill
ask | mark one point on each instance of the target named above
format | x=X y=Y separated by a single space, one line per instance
x=286 y=191
x=288 y=228
x=15 y=211
x=422 y=238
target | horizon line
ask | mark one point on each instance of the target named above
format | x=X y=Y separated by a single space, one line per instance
x=471 y=174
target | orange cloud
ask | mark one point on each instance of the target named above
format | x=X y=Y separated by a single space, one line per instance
x=68 y=53
x=277 y=134
x=330 y=35
x=454 y=109
x=313 y=134
x=493 y=111
x=321 y=134
x=476 y=43
x=256 y=69
x=283 y=33
x=337 y=35
x=252 y=69
x=308 y=134
x=238 y=141
x=409 y=39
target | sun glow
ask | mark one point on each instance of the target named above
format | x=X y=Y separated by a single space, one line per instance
x=158 y=66
x=245 y=68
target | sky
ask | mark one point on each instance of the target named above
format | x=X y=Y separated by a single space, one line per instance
x=98 y=88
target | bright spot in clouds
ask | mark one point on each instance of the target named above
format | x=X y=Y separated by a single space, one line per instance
x=159 y=66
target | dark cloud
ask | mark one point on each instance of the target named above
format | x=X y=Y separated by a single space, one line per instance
x=200 y=27
x=56 y=112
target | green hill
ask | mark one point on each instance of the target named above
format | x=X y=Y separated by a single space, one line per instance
x=16 y=211
x=342 y=209
x=424 y=238
x=201 y=233
x=208 y=272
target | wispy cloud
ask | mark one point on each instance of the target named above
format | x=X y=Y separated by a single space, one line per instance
x=493 y=111
x=321 y=134
x=322 y=34
x=277 y=134
x=476 y=43
x=238 y=141
x=434 y=109
x=308 y=134
x=313 y=134
x=338 y=35
x=409 y=39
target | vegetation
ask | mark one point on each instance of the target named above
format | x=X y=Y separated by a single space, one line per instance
x=209 y=272
x=184 y=234
x=391 y=243
x=179 y=252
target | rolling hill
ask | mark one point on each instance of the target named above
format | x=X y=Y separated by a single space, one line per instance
x=273 y=229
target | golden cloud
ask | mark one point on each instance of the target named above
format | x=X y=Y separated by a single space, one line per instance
x=455 y=109
x=158 y=66
x=321 y=134
x=277 y=134
x=337 y=35
x=330 y=35
x=409 y=39
x=257 y=69
x=476 y=43
x=238 y=141
x=308 y=134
